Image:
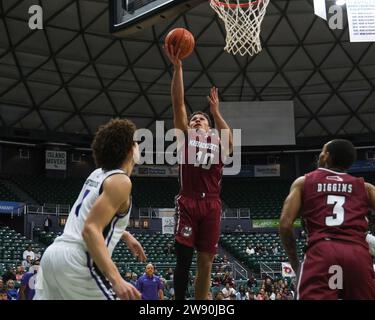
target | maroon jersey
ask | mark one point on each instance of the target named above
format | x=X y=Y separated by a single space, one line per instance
x=335 y=206
x=201 y=168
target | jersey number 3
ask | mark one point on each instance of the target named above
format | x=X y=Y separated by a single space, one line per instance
x=338 y=211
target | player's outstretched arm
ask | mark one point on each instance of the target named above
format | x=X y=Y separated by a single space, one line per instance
x=220 y=123
x=116 y=191
x=177 y=90
x=289 y=213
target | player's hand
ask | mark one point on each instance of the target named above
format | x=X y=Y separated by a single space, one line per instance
x=135 y=247
x=172 y=56
x=126 y=291
x=213 y=100
x=371 y=243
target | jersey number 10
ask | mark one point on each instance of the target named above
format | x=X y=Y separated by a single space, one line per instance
x=206 y=162
x=338 y=211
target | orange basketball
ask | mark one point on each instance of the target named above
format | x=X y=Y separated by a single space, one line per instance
x=181 y=39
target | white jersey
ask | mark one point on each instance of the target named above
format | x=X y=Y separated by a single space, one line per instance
x=91 y=190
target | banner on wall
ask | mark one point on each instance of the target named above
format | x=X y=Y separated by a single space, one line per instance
x=362 y=166
x=168 y=225
x=361 y=18
x=55 y=160
x=155 y=171
x=287 y=270
x=271 y=223
x=8 y=207
x=270 y=170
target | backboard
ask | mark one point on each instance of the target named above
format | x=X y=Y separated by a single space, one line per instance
x=129 y=16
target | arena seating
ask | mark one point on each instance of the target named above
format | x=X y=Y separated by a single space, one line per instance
x=155 y=246
x=48 y=190
x=12 y=245
x=263 y=197
x=236 y=244
x=7 y=195
x=156 y=193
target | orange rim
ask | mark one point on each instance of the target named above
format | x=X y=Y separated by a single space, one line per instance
x=235 y=5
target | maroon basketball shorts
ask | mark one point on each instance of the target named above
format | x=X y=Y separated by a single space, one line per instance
x=198 y=222
x=334 y=269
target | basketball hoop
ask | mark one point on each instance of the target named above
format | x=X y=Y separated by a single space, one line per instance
x=242 y=23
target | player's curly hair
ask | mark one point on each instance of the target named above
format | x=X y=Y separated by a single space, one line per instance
x=113 y=143
x=204 y=115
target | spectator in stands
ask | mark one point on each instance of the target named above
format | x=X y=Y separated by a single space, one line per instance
x=216 y=281
x=169 y=290
x=251 y=282
x=47 y=224
x=228 y=278
x=278 y=296
x=134 y=279
x=250 y=250
x=28 y=252
x=228 y=291
x=220 y=296
x=268 y=285
x=11 y=290
x=10 y=274
x=250 y=295
x=27 y=289
x=258 y=249
x=238 y=228
x=241 y=294
x=169 y=275
x=275 y=250
x=227 y=229
x=149 y=285
x=209 y=296
x=27 y=263
x=3 y=294
x=38 y=255
x=225 y=265
x=273 y=295
x=169 y=249
x=20 y=270
x=261 y=294
x=128 y=276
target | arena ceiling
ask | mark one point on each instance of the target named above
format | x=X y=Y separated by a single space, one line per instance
x=73 y=75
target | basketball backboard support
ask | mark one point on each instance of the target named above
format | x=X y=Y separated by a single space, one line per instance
x=130 y=16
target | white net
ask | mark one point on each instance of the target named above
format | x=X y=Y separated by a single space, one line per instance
x=242 y=23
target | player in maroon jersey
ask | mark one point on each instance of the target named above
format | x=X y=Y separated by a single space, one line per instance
x=198 y=204
x=333 y=206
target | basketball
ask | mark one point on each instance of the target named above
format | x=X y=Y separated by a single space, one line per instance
x=181 y=39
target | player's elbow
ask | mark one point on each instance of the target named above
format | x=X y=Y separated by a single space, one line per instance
x=88 y=231
x=285 y=225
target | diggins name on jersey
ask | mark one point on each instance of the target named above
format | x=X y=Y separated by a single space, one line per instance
x=334 y=187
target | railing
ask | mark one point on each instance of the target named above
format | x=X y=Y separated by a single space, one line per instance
x=238 y=213
x=270 y=269
x=239 y=271
x=165 y=266
x=47 y=208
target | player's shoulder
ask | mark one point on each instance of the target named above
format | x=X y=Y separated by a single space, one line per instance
x=299 y=182
x=120 y=182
